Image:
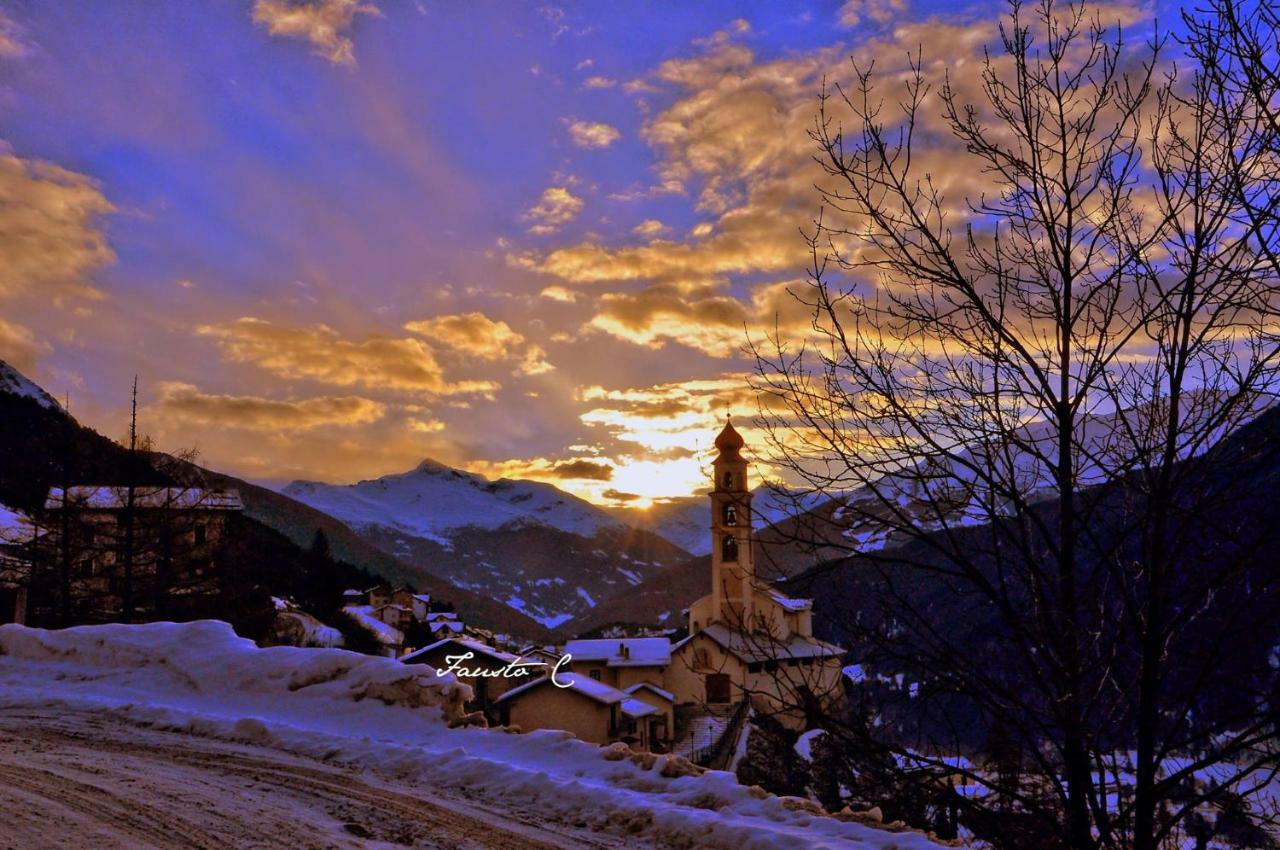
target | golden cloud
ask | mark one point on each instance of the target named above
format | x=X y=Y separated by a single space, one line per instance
x=18 y=346
x=320 y=354
x=852 y=12
x=593 y=134
x=556 y=208
x=49 y=235
x=321 y=22
x=712 y=323
x=185 y=403
x=649 y=228
x=599 y=83
x=476 y=335
x=701 y=317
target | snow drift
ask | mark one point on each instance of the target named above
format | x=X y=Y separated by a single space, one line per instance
x=379 y=714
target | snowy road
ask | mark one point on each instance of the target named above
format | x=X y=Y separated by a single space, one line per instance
x=77 y=779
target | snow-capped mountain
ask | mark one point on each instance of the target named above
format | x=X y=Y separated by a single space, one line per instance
x=15 y=383
x=537 y=549
x=686 y=521
x=433 y=500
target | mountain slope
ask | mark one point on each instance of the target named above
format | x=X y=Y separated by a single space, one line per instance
x=433 y=500
x=543 y=552
x=299 y=522
x=38 y=440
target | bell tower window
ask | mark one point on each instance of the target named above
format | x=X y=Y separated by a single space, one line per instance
x=729 y=548
x=728 y=480
x=730 y=514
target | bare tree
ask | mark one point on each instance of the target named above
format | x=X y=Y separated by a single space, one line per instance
x=1024 y=391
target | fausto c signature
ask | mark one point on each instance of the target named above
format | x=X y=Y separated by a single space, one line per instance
x=515 y=669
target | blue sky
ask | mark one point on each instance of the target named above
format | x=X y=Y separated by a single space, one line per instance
x=335 y=237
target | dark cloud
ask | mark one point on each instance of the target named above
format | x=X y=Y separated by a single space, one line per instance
x=585 y=469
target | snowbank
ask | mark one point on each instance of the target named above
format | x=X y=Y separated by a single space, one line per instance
x=381 y=714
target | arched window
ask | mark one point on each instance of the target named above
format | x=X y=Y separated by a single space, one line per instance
x=730 y=514
x=728 y=480
x=729 y=548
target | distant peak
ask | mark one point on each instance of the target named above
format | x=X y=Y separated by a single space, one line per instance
x=432 y=467
x=15 y=383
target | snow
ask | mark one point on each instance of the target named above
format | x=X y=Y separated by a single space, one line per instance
x=576 y=682
x=15 y=526
x=464 y=643
x=649 y=686
x=433 y=500
x=552 y=621
x=804 y=744
x=637 y=708
x=622 y=652
x=375 y=713
x=586 y=597
x=386 y=635
x=15 y=383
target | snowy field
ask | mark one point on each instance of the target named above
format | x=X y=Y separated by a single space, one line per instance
x=387 y=724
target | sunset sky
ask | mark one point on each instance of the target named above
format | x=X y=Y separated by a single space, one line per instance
x=335 y=238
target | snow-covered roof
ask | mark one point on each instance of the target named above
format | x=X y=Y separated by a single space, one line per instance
x=788 y=603
x=577 y=683
x=442 y=615
x=637 y=708
x=386 y=635
x=462 y=643
x=622 y=652
x=446 y=626
x=752 y=648
x=15 y=526
x=667 y=695
x=115 y=497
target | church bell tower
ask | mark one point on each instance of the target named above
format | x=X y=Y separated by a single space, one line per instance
x=732 y=572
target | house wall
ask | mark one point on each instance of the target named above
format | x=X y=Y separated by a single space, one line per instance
x=625 y=677
x=549 y=707
x=686 y=677
x=668 y=711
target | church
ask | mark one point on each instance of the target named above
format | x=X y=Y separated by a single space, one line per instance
x=746 y=643
x=746 y=639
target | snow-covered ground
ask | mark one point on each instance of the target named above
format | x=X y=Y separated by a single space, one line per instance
x=434 y=499
x=379 y=715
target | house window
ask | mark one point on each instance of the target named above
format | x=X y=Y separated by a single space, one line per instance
x=730 y=514
x=200 y=534
x=717 y=687
x=595 y=674
x=729 y=548
x=701 y=658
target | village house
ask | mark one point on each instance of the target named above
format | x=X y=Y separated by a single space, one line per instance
x=590 y=709
x=417 y=604
x=620 y=662
x=169 y=534
x=460 y=653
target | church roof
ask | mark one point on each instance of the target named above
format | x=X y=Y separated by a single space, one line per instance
x=729 y=442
